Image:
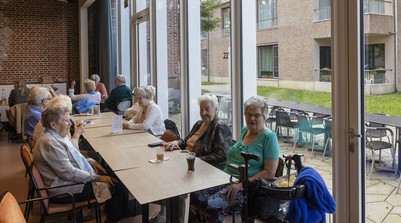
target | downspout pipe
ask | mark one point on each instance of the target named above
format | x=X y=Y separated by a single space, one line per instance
x=395 y=46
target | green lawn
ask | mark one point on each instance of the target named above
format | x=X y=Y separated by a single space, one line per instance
x=388 y=103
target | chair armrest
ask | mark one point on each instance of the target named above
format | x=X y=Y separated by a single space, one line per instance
x=60 y=186
x=44 y=198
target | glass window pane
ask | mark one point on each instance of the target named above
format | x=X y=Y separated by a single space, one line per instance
x=290 y=58
x=141 y=5
x=382 y=106
x=143 y=54
x=174 y=62
x=215 y=54
x=267 y=13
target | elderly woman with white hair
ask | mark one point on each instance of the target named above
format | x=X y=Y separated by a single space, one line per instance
x=212 y=204
x=99 y=86
x=60 y=163
x=209 y=138
x=149 y=116
x=84 y=102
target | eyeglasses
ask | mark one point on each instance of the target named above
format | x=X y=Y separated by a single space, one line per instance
x=249 y=115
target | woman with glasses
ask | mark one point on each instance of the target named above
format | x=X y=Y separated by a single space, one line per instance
x=255 y=138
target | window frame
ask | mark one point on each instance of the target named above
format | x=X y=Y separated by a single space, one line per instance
x=275 y=74
x=274 y=12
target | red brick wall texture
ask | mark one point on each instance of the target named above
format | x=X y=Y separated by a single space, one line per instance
x=37 y=38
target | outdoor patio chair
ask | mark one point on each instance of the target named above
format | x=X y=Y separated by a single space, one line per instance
x=224 y=112
x=272 y=116
x=375 y=133
x=283 y=121
x=327 y=135
x=305 y=126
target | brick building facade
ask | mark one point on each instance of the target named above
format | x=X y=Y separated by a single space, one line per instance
x=38 y=38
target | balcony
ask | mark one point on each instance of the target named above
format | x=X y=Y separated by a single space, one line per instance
x=376 y=76
x=325 y=75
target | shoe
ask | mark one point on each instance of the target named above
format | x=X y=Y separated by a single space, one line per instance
x=157 y=218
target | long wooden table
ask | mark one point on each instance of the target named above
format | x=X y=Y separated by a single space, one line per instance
x=128 y=155
x=153 y=182
x=106 y=131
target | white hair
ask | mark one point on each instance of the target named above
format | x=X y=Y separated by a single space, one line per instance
x=95 y=77
x=37 y=95
x=257 y=102
x=121 y=78
x=210 y=98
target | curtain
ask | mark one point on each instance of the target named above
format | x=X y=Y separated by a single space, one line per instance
x=105 y=47
x=265 y=61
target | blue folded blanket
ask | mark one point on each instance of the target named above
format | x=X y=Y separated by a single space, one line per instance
x=317 y=201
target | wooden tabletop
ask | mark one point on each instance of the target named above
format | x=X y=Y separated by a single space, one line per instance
x=105 y=131
x=122 y=141
x=153 y=182
x=91 y=117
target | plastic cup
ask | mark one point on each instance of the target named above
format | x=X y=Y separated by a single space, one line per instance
x=160 y=153
x=191 y=161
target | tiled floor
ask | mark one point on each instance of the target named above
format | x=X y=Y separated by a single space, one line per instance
x=383 y=204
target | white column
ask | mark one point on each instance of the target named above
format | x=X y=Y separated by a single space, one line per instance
x=160 y=62
x=190 y=63
x=243 y=59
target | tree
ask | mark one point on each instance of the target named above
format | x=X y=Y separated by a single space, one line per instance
x=208 y=23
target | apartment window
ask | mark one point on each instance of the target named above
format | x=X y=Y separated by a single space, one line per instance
x=325 y=64
x=226 y=21
x=324 y=10
x=268 y=61
x=267 y=13
x=373 y=6
x=374 y=56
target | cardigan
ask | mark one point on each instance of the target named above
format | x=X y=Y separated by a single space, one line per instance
x=213 y=144
x=154 y=122
x=57 y=165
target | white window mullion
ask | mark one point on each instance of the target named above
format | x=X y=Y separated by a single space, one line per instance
x=243 y=59
x=190 y=63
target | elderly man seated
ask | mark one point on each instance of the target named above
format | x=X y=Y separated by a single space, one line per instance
x=120 y=92
x=37 y=100
x=60 y=162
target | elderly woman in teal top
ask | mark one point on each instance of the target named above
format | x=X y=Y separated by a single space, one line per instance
x=255 y=138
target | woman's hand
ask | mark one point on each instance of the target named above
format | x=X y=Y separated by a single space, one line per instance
x=174 y=145
x=233 y=190
x=125 y=125
x=79 y=129
x=110 y=181
x=98 y=168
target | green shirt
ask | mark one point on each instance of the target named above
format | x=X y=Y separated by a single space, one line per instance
x=266 y=146
x=116 y=95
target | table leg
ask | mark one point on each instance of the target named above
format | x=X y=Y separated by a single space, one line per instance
x=174 y=215
x=145 y=213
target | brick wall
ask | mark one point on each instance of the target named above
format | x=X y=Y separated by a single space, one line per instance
x=92 y=63
x=173 y=38
x=37 y=38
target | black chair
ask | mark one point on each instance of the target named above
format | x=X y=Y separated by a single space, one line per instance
x=272 y=116
x=283 y=121
x=123 y=105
